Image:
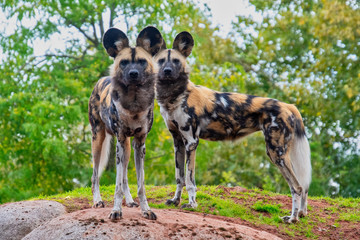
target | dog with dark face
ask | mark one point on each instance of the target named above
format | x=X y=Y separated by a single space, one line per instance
x=192 y=112
x=121 y=105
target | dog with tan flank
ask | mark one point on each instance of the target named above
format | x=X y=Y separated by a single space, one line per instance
x=192 y=112
x=121 y=105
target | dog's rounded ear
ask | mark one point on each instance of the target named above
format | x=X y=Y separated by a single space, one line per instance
x=184 y=43
x=151 y=40
x=114 y=41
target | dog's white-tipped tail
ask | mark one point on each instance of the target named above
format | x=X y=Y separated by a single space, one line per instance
x=300 y=160
x=105 y=151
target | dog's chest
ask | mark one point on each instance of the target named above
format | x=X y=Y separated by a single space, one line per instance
x=127 y=123
x=174 y=115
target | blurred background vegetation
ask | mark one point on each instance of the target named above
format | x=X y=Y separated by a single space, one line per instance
x=301 y=52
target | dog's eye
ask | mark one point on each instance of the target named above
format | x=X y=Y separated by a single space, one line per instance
x=124 y=63
x=161 y=61
x=142 y=62
x=176 y=61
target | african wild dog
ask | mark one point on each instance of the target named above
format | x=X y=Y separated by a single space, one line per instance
x=192 y=112
x=121 y=105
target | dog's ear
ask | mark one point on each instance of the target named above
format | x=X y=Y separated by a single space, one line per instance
x=184 y=43
x=114 y=41
x=151 y=40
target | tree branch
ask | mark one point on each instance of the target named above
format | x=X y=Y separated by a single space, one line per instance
x=70 y=56
x=95 y=36
x=127 y=23
x=82 y=31
x=112 y=15
x=61 y=56
x=29 y=61
x=101 y=26
x=54 y=55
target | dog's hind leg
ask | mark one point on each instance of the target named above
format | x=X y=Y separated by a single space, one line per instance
x=179 y=168
x=278 y=138
x=139 y=154
x=296 y=191
x=284 y=165
x=98 y=153
x=128 y=198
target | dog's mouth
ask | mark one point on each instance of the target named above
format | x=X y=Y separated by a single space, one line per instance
x=134 y=83
x=138 y=82
x=166 y=78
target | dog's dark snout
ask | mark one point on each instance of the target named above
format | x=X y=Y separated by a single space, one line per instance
x=167 y=71
x=134 y=73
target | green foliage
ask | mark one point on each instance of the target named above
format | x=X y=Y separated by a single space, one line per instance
x=302 y=52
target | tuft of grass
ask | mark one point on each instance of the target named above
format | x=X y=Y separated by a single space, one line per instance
x=349 y=216
x=260 y=206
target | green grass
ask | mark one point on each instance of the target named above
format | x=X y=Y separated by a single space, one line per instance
x=260 y=206
x=255 y=206
x=349 y=216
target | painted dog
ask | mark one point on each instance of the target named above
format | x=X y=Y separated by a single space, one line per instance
x=121 y=105
x=192 y=112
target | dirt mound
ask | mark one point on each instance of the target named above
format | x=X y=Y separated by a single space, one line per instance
x=171 y=224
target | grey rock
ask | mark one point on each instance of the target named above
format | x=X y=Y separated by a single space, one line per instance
x=20 y=218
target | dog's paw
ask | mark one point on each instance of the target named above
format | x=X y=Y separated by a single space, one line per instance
x=132 y=204
x=175 y=202
x=289 y=219
x=302 y=213
x=149 y=215
x=99 y=204
x=115 y=215
x=189 y=205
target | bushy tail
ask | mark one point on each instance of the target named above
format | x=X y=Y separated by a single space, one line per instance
x=105 y=151
x=300 y=151
x=300 y=161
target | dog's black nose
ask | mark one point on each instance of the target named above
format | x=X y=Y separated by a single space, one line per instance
x=167 y=71
x=134 y=73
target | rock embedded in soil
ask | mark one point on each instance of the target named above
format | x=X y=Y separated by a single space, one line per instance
x=20 y=218
x=171 y=224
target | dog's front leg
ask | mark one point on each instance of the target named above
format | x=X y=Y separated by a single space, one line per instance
x=179 y=148
x=139 y=152
x=121 y=153
x=190 y=147
x=125 y=184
